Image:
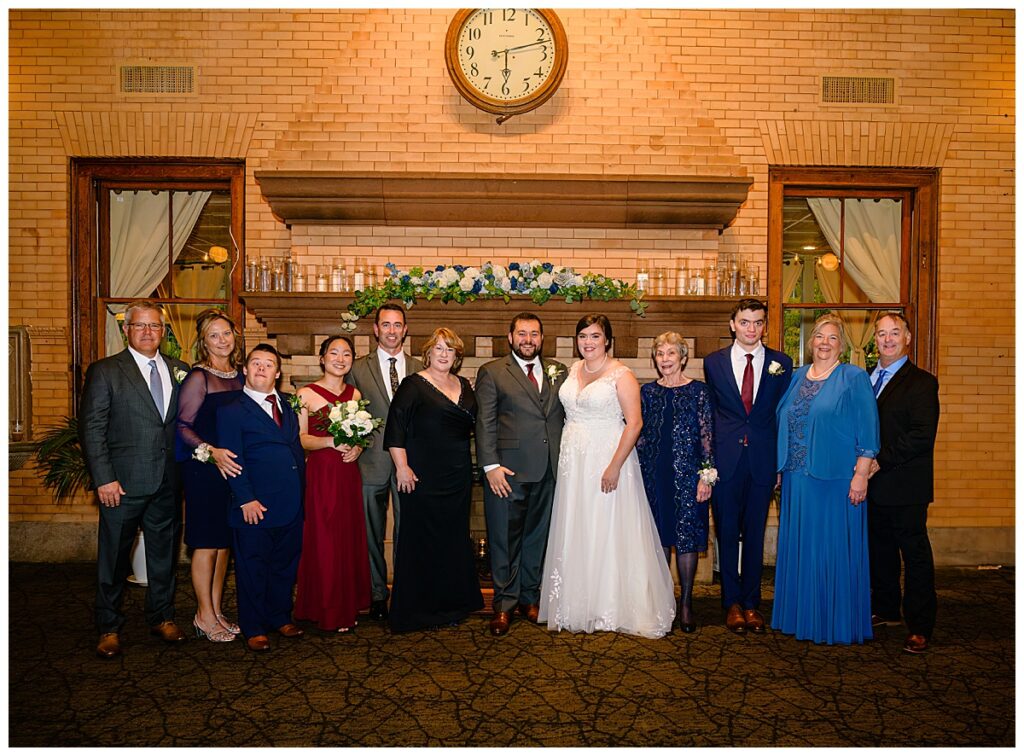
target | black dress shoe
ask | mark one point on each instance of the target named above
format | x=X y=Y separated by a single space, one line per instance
x=688 y=627
x=379 y=610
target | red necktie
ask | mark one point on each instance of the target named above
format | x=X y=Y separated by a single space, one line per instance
x=747 y=391
x=276 y=410
x=531 y=376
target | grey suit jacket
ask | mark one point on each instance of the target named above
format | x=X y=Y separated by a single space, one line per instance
x=375 y=465
x=517 y=426
x=122 y=435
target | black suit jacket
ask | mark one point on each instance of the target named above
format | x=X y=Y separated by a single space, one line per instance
x=908 y=415
x=122 y=435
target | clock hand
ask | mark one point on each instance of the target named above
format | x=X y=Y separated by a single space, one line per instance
x=496 y=53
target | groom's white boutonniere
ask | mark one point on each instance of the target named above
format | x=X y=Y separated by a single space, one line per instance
x=179 y=375
x=775 y=368
x=552 y=371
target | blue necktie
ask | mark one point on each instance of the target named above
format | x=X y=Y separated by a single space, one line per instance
x=156 y=388
x=879 y=381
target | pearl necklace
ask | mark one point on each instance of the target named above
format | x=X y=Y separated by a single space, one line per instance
x=219 y=373
x=824 y=375
x=594 y=372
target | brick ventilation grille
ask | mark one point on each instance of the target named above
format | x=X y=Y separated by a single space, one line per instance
x=157 y=79
x=859 y=90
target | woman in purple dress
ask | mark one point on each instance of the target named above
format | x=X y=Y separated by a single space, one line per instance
x=675 y=443
x=214 y=379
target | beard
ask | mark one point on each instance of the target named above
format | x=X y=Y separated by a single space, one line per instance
x=518 y=351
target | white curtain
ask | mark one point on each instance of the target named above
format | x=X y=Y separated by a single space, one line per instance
x=873 y=233
x=791 y=271
x=138 y=245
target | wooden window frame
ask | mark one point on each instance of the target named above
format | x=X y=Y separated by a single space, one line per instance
x=919 y=278
x=88 y=179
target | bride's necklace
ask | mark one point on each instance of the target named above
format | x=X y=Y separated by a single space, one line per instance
x=219 y=373
x=814 y=377
x=595 y=372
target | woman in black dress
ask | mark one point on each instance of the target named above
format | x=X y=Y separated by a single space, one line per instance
x=213 y=380
x=428 y=430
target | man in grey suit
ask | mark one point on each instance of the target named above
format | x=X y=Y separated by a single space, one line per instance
x=377 y=376
x=126 y=424
x=518 y=434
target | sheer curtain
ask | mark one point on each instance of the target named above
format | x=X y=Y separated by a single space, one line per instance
x=858 y=325
x=138 y=245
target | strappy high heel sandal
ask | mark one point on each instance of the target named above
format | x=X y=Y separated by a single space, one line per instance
x=228 y=625
x=214 y=636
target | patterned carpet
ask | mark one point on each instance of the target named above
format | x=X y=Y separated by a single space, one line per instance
x=460 y=686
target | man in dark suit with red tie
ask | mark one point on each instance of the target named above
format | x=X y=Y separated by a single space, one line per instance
x=265 y=512
x=747 y=380
x=900 y=487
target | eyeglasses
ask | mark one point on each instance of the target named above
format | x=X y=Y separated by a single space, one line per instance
x=140 y=327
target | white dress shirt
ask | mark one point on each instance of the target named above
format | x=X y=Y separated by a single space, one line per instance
x=739 y=364
x=261 y=399
x=161 y=368
x=385 y=368
x=538 y=368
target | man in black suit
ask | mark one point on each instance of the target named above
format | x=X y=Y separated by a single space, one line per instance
x=518 y=435
x=126 y=426
x=265 y=512
x=901 y=487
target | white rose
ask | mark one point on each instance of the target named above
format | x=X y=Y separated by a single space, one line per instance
x=577 y=280
x=336 y=414
x=466 y=283
x=365 y=425
x=544 y=280
x=416 y=280
x=534 y=263
x=351 y=407
x=363 y=415
x=505 y=284
x=450 y=276
x=499 y=271
x=471 y=272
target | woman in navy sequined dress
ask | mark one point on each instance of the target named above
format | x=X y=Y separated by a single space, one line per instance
x=675 y=443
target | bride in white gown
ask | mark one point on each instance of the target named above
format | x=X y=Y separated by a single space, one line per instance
x=604 y=568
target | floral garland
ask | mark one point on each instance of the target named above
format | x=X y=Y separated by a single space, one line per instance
x=461 y=283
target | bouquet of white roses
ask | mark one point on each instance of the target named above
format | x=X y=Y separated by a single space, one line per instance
x=349 y=423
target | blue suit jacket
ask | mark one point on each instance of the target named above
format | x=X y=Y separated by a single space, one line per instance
x=733 y=424
x=841 y=426
x=273 y=465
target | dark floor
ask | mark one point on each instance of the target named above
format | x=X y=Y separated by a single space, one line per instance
x=460 y=686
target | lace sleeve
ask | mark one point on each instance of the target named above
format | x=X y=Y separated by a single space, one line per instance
x=705 y=422
x=190 y=398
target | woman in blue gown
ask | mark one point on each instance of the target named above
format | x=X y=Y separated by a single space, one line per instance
x=675 y=443
x=828 y=435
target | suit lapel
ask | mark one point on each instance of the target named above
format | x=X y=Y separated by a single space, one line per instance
x=262 y=415
x=172 y=405
x=131 y=371
x=373 y=363
x=730 y=379
x=898 y=377
x=520 y=377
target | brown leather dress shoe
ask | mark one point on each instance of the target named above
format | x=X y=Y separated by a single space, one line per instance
x=168 y=631
x=754 y=621
x=291 y=631
x=109 y=646
x=500 y=623
x=258 y=643
x=734 y=620
x=915 y=644
x=530 y=611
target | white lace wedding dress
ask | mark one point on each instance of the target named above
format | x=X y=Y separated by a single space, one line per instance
x=604 y=568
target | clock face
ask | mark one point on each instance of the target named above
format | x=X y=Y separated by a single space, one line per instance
x=506 y=60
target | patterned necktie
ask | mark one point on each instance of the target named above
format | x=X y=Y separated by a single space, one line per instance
x=747 y=391
x=156 y=388
x=879 y=381
x=276 y=411
x=393 y=374
x=531 y=376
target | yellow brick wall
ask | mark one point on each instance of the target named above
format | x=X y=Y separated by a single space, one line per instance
x=647 y=91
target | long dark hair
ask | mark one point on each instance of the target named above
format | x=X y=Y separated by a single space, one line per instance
x=588 y=320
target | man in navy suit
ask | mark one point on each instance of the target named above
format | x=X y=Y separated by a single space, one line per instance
x=265 y=513
x=901 y=487
x=747 y=380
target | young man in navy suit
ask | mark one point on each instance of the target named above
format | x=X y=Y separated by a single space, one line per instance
x=265 y=512
x=747 y=380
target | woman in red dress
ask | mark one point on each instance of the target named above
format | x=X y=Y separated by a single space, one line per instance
x=334 y=571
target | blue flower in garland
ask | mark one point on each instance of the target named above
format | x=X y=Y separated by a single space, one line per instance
x=514 y=283
x=477 y=287
x=459 y=268
x=439 y=268
x=392 y=268
x=513 y=266
x=406 y=278
x=553 y=288
x=547 y=267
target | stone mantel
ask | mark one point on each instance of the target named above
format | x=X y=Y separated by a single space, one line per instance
x=472 y=199
x=296 y=319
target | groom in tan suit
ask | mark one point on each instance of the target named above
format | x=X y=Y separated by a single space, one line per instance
x=376 y=376
x=518 y=433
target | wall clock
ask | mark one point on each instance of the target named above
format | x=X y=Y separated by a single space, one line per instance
x=506 y=61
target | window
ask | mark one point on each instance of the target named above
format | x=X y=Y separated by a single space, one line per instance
x=170 y=231
x=857 y=242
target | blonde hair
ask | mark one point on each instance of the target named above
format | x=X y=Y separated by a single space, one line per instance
x=829 y=318
x=204 y=321
x=670 y=338
x=451 y=339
